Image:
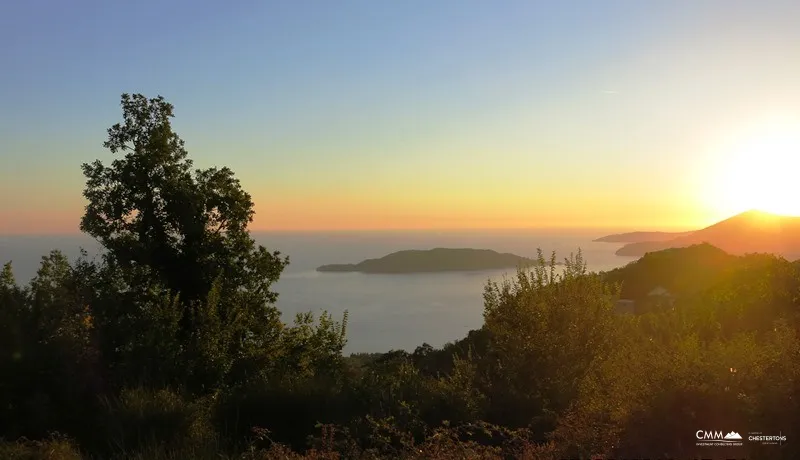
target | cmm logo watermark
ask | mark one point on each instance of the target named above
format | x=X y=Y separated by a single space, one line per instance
x=718 y=438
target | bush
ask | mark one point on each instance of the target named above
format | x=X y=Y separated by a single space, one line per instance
x=140 y=418
x=55 y=448
x=291 y=412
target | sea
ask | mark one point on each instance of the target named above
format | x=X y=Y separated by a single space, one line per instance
x=385 y=312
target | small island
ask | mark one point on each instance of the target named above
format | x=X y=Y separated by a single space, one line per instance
x=639 y=237
x=434 y=260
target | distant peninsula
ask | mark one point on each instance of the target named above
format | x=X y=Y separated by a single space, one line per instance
x=640 y=237
x=749 y=232
x=434 y=260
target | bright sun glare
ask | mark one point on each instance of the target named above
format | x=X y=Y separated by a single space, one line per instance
x=761 y=171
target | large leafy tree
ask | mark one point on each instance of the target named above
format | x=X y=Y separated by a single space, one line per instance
x=152 y=210
x=169 y=227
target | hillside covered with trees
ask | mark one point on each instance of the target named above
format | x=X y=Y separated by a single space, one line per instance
x=169 y=346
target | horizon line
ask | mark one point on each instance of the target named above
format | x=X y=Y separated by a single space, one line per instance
x=410 y=230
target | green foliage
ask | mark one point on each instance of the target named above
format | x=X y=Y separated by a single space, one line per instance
x=547 y=329
x=167 y=227
x=302 y=385
x=54 y=448
x=309 y=349
x=15 y=345
x=150 y=209
x=46 y=352
x=433 y=362
x=681 y=271
x=709 y=362
x=138 y=418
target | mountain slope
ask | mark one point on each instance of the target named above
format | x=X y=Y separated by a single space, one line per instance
x=748 y=232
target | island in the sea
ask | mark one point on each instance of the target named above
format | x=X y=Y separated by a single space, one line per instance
x=434 y=260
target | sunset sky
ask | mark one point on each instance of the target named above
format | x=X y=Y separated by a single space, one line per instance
x=416 y=114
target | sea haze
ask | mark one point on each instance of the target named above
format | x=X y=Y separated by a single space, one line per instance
x=397 y=311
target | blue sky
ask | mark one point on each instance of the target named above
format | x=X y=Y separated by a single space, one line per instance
x=365 y=114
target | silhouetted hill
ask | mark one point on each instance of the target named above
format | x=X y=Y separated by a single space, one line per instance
x=681 y=271
x=433 y=260
x=748 y=232
x=638 y=237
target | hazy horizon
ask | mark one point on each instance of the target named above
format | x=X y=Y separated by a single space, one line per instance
x=598 y=231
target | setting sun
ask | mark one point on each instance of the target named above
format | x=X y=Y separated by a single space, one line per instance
x=760 y=171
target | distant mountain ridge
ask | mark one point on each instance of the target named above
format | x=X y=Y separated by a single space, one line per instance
x=639 y=237
x=748 y=232
x=434 y=260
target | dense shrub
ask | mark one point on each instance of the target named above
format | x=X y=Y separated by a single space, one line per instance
x=53 y=448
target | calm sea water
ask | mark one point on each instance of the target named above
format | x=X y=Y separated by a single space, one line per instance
x=385 y=311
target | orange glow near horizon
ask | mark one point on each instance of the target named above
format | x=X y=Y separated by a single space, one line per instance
x=37 y=222
x=320 y=219
x=333 y=214
x=342 y=214
x=752 y=170
x=281 y=208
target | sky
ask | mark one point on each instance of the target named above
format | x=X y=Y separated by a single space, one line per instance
x=407 y=114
